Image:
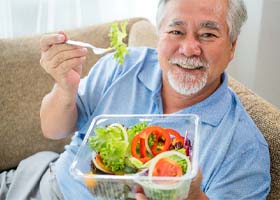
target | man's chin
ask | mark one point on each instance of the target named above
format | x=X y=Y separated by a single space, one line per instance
x=187 y=86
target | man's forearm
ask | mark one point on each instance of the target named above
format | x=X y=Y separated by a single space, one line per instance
x=58 y=114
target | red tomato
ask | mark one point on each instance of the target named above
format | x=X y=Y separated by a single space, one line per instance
x=167 y=167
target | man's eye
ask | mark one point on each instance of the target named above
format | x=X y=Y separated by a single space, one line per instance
x=175 y=32
x=208 y=35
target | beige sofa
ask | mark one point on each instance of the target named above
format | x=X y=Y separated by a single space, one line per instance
x=23 y=83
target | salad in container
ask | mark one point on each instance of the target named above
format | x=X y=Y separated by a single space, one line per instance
x=159 y=152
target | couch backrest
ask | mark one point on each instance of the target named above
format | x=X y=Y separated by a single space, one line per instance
x=23 y=84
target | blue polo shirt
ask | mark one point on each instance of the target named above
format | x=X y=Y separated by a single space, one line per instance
x=234 y=156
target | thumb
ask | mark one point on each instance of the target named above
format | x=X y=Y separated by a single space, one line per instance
x=65 y=35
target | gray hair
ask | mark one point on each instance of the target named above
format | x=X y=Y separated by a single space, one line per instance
x=236 y=17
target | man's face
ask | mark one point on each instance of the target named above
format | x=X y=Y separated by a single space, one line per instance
x=194 y=47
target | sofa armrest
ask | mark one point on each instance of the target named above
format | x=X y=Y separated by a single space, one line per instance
x=267 y=118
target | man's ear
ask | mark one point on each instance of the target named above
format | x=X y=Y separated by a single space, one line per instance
x=233 y=45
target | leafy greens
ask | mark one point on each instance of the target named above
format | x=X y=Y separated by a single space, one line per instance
x=113 y=149
x=116 y=40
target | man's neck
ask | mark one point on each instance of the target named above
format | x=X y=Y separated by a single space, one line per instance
x=174 y=102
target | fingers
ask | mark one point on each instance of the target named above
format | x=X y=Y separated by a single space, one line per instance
x=139 y=193
x=68 y=65
x=62 y=61
x=78 y=69
x=58 y=73
x=58 y=54
x=58 y=48
x=50 y=39
x=65 y=35
x=138 y=189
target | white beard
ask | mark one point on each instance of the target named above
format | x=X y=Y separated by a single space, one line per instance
x=185 y=83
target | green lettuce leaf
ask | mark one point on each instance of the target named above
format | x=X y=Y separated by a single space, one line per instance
x=116 y=40
x=113 y=149
x=110 y=144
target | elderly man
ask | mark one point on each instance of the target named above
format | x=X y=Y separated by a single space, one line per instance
x=197 y=40
x=185 y=74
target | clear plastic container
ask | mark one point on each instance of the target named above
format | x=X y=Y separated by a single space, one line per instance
x=104 y=186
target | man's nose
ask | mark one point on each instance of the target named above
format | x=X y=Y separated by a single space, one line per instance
x=190 y=46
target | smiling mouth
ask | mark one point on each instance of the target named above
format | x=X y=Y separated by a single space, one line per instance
x=190 y=67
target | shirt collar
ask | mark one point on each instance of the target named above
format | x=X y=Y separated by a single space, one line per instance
x=211 y=110
x=150 y=74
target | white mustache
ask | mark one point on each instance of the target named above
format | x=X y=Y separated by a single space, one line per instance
x=189 y=63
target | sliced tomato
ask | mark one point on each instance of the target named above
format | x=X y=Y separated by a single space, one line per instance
x=167 y=167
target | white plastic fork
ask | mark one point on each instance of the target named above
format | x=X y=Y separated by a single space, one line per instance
x=95 y=50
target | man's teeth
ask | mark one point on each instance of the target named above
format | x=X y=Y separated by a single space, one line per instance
x=189 y=66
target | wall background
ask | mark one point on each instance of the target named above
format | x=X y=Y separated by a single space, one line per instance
x=256 y=62
x=256 y=59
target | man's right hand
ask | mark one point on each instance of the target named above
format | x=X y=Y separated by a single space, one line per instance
x=62 y=61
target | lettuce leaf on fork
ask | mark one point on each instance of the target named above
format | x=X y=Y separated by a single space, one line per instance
x=117 y=35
